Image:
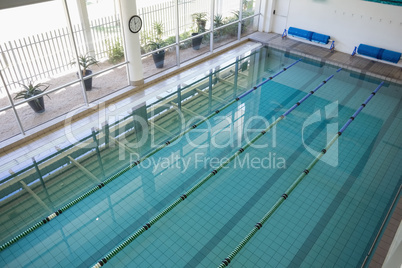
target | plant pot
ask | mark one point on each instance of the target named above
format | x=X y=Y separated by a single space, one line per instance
x=37 y=105
x=87 y=82
x=196 y=41
x=159 y=58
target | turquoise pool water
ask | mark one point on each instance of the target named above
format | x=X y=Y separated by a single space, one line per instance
x=330 y=220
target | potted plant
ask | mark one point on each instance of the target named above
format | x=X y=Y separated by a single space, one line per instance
x=31 y=90
x=159 y=56
x=200 y=20
x=85 y=61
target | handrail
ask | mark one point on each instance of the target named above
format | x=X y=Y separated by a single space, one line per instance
x=199 y=80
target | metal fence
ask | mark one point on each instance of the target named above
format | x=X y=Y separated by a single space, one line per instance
x=166 y=13
x=47 y=54
x=35 y=56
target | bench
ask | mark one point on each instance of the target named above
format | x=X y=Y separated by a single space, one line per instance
x=310 y=36
x=378 y=53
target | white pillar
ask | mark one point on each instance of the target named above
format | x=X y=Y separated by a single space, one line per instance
x=128 y=8
x=84 y=19
x=267 y=9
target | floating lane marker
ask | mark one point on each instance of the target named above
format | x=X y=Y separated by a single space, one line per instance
x=113 y=177
x=305 y=172
x=148 y=225
x=269 y=79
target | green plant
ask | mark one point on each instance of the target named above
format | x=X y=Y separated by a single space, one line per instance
x=31 y=90
x=245 y=14
x=243 y=22
x=157 y=44
x=218 y=20
x=236 y=14
x=115 y=52
x=200 y=20
x=185 y=44
x=232 y=29
x=85 y=61
x=170 y=40
x=185 y=35
x=158 y=28
x=145 y=39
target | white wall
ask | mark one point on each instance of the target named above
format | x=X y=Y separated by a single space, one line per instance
x=349 y=22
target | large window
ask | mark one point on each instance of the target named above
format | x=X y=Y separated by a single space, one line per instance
x=73 y=52
x=99 y=50
x=194 y=25
x=35 y=65
x=158 y=35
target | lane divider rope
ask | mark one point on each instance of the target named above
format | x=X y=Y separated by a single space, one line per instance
x=305 y=172
x=113 y=177
x=148 y=225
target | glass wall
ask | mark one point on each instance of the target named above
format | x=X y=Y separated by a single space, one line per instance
x=157 y=35
x=10 y=126
x=52 y=68
x=249 y=26
x=249 y=8
x=194 y=25
x=250 y=12
x=36 y=66
x=99 y=49
x=226 y=20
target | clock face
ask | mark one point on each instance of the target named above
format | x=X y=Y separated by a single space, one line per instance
x=135 y=24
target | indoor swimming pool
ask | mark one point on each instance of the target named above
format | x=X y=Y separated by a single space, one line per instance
x=182 y=181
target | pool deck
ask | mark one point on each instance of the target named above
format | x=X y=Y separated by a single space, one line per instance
x=388 y=72
x=388 y=236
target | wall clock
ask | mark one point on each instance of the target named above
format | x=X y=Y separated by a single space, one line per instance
x=135 y=24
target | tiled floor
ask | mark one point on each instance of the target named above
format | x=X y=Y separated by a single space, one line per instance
x=383 y=246
x=45 y=144
x=357 y=63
